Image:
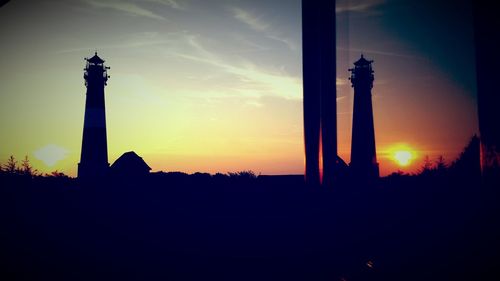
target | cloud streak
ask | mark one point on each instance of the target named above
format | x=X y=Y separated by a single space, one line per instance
x=357 y=5
x=250 y=20
x=258 y=80
x=127 y=7
x=257 y=24
x=132 y=41
x=174 y=4
x=377 y=52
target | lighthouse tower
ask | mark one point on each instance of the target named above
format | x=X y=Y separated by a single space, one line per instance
x=363 y=164
x=94 y=157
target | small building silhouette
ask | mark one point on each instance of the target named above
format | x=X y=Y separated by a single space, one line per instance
x=130 y=165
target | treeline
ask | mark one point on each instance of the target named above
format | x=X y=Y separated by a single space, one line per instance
x=24 y=168
x=467 y=164
x=465 y=167
x=13 y=168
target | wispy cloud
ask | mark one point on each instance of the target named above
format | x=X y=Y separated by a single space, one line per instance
x=128 y=7
x=175 y=4
x=357 y=5
x=250 y=20
x=290 y=43
x=256 y=79
x=378 y=52
x=132 y=41
x=257 y=24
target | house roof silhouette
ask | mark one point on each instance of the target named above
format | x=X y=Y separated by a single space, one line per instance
x=130 y=162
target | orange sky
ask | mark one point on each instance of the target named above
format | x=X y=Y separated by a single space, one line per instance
x=216 y=86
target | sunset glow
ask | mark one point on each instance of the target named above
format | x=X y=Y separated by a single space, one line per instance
x=216 y=86
x=403 y=157
x=401 y=154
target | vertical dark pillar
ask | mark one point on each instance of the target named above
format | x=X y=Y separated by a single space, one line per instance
x=363 y=166
x=487 y=32
x=311 y=62
x=94 y=157
x=318 y=41
x=328 y=78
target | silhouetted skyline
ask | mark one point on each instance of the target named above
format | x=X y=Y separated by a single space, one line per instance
x=129 y=223
x=215 y=86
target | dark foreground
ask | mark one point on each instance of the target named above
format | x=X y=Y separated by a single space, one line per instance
x=174 y=227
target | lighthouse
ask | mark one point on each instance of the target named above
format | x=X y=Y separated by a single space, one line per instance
x=363 y=166
x=94 y=155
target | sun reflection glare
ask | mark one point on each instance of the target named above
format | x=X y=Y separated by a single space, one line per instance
x=403 y=157
x=402 y=154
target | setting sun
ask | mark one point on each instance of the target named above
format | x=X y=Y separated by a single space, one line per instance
x=220 y=87
x=402 y=154
x=403 y=157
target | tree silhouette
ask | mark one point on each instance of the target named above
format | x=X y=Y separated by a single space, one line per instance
x=57 y=174
x=11 y=166
x=244 y=175
x=441 y=163
x=26 y=168
x=397 y=173
x=468 y=164
x=426 y=167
